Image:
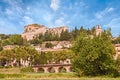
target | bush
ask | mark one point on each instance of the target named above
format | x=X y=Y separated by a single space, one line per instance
x=1 y=67
x=5 y=67
x=48 y=45
x=2 y=75
x=27 y=69
x=8 y=67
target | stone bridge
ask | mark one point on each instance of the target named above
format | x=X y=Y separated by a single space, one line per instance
x=52 y=68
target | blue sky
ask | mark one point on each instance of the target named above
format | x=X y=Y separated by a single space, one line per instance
x=15 y=14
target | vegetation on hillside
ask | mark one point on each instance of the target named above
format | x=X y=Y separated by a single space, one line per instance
x=91 y=55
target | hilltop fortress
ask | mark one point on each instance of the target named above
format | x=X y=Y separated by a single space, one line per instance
x=32 y=30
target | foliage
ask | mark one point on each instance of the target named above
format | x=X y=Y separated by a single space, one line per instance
x=94 y=56
x=2 y=75
x=6 y=42
x=16 y=39
x=117 y=40
x=12 y=40
x=48 y=45
x=16 y=54
x=27 y=69
x=1 y=48
x=65 y=35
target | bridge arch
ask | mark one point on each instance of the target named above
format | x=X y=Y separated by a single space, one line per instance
x=51 y=70
x=41 y=70
x=62 y=69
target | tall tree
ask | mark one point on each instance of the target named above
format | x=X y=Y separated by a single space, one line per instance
x=16 y=39
x=65 y=35
x=94 y=56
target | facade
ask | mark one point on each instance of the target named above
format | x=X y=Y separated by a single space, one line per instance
x=98 y=30
x=30 y=31
x=117 y=48
x=8 y=47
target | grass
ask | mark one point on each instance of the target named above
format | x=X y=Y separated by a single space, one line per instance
x=10 y=70
x=14 y=74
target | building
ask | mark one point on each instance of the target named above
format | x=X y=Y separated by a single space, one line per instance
x=8 y=47
x=98 y=30
x=117 y=48
x=30 y=31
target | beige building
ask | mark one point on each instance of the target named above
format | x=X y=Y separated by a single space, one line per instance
x=117 y=48
x=98 y=30
x=30 y=31
x=8 y=47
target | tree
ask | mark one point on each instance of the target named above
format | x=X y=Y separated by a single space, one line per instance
x=74 y=33
x=94 y=56
x=117 y=40
x=65 y=35
x=16 y=39
x=48 y=45
x=1 y=48
x=18 y=53
x=5 y=42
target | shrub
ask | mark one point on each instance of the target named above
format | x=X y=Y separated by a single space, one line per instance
x=8 y=67
x=1 y=67
x=48 y=45
x=27 y=69
x=2 y=75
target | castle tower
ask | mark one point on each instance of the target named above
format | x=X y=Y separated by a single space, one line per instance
x=98 y=30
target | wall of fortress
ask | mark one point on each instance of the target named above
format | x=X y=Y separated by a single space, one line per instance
x=30 y=31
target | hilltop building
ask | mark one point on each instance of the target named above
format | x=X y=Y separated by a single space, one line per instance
x=30 y=31
x=98 y=30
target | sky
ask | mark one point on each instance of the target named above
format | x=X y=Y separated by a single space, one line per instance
x=15 y=14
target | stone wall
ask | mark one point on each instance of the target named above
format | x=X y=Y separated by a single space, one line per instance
x=30 y=31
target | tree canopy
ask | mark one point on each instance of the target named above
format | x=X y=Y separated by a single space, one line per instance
x=94 y=55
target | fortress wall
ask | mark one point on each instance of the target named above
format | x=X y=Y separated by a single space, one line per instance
x=30 y=31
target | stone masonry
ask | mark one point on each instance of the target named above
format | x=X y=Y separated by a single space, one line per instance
x=32 y=30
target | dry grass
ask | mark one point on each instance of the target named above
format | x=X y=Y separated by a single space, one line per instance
x=9 y=70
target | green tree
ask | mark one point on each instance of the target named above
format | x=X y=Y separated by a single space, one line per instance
x=48 y=45
x=65 y=35
x=117 y=40
x=3 y=36
x=74 y=33
x=5 y=42
x=16 y=39
x=1 y=48
x=94 y=56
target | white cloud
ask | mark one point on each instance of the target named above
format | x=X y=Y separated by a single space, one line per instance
x=8 y=11
x=28 y=20
x=48 y=18
x=5 y=29
x=82 y=4
x=115 y=25
x=14 y=9
x=101 y=14
x=59 y=22
x=110 y=9
x=55 y=4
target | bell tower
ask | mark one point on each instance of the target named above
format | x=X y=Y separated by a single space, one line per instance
x=98 y=30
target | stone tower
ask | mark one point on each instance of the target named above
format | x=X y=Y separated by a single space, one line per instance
x=98 y=30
